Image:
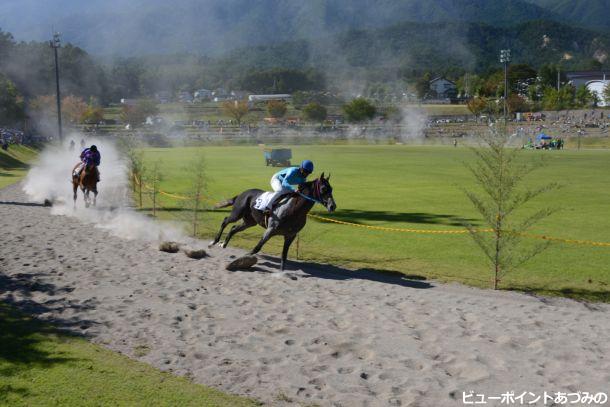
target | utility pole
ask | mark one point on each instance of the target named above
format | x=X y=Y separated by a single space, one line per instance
x=558 y=77
x=505 y=59
x=55 y=43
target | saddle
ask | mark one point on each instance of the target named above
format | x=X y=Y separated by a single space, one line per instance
x=263 y=200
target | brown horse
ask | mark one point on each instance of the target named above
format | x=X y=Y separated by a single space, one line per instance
x=87 y=182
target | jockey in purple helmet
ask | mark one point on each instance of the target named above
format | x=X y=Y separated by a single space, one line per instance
x=89 y=156
x=283 y=181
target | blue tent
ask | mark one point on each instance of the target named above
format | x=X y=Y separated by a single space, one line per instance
x=543 y=136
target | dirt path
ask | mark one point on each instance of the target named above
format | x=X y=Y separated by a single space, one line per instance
x=318 y=334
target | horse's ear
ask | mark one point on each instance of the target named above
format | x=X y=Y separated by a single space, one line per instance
x=328 y=179
x=322 y=176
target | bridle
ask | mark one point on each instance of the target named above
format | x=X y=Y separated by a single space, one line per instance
x=316 y=192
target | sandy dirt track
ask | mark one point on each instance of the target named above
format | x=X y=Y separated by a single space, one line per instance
x=318 y=334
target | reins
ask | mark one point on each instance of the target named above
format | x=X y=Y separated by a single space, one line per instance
x=316 y=191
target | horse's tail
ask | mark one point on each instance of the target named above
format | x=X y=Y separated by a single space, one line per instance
x=227 y=203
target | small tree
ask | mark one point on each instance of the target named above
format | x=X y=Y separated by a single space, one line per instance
x=558 y=100
x=583 y=97
x=277 y=109
x=500 y=172
x=11 y=103
x=517 y=103
x=315 y=112
x=135 y=115
x=607 y=93
x=73 y=108
x=93 y=115
x=135 y=164
x=422 y=86
x=237 y=109
x=359 y=110
x=477 y=106
x=195 y=203
x=152 y=177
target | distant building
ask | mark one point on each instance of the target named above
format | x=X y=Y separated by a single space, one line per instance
x=239 y=94
x=598 y=88
x=222 y=95
x=580 y=78
x=129 y=102
x=220 y=92
x=185 y=97
x=223 y=98
x=442 y=88
x=267 y=98
x=163 y=97
x=203 y=94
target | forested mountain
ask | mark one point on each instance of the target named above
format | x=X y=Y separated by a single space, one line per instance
x=349 y=60
x=586 y=13
x=338 y=44
x=409 y=49
x=215 y=26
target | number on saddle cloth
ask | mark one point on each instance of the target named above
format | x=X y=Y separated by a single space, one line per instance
x=264 y=200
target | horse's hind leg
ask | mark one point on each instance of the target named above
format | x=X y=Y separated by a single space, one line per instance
x=233 y=217
x=94 y=196
x=238 y=228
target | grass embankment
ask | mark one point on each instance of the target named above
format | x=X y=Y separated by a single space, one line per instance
x=417 y=187
x=14 y=163
x=41 y=366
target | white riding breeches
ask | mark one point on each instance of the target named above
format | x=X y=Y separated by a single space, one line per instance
x=279 y=190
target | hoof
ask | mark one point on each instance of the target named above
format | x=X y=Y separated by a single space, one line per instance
x=242 y=263
x=212 y=243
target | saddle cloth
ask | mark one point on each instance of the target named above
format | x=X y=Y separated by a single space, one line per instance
x=262 y=200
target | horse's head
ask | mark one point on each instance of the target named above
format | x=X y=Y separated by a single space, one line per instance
x=325 y=193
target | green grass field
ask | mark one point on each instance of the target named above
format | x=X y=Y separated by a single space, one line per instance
x=417 y=187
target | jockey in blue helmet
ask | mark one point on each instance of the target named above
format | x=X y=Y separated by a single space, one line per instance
x=283 y=181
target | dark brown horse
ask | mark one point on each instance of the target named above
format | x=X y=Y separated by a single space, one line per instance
x=285 y=220
x=87 y=181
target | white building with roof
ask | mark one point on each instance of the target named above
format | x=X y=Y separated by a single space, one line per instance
x=598 y=88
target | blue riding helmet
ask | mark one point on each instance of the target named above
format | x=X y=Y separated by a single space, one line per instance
x=307 y=166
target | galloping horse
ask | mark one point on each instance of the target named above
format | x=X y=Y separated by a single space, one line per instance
x=285 y=220
x=87 y=182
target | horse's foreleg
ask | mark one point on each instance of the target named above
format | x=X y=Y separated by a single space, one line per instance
x=287 y=242
x=75 y=188
x=94 y=196
x=266 y=236
x=235 y=229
